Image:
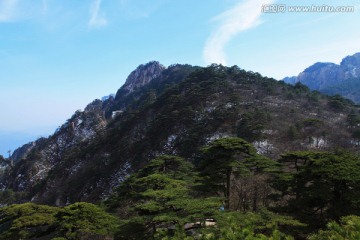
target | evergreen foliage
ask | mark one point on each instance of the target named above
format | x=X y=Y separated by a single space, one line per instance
x=228 y=158
x=166 y=200
x=32 y=221
x=347 y=229
x=162 y=199
x=232 y=185
x=320 y=186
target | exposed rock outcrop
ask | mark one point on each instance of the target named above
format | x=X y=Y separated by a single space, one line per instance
x=142 y=75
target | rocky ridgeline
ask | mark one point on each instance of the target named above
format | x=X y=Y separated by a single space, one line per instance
x=46 y=153
x=323 y=75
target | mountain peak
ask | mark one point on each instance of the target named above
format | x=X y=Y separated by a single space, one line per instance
x=142 y=75
x=353 y=60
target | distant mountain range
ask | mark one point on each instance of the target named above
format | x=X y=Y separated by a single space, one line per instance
x=331 y=78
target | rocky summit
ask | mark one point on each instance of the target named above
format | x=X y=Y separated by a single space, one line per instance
x=142 y=75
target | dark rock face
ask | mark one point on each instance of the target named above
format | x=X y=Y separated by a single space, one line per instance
x=142 y=75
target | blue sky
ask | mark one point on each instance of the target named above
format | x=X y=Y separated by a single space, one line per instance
x=57 y=56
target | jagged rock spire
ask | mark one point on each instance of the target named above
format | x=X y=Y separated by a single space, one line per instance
x=142 y=75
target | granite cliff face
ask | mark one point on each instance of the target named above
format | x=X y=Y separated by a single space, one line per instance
x=325 y=76
x=142 y=75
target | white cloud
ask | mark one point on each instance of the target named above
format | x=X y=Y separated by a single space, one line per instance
x=7 y=10
x=239 y=18
x=96 y=19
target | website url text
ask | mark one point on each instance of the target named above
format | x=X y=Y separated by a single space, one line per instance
x=282 y=8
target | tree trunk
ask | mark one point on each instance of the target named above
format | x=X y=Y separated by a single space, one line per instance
x=228 y=183
x=255 y=198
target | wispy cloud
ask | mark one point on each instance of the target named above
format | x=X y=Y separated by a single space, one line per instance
x=239 y=18
x=96 y=20
x=7 y=10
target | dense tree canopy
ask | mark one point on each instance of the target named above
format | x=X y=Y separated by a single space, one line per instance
x=76 y=221
x=227 y=159
x=311 y=195
x=347 y=229
x=162 y=199
x=320 y=185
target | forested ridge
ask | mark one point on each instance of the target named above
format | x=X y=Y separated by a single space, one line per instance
x=197 y=153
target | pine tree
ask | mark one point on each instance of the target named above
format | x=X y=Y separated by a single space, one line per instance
x=162 y=199
x=320 y=185
x=228 y=158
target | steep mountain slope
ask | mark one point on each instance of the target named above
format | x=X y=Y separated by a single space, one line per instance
x=331 y=77
x=38 y=158
x=176 y=110
x=349 y=89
